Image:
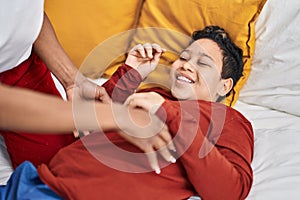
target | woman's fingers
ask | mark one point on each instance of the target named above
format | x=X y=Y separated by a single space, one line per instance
x=158 y=48
x=137 y=100
x=148 y=50
x=153 y=145
x=140 y=49
x=166 y=137
x=158 y=147
x=149 y=101
x=80 y=133
x=152 y=158
x=165 y=153
x=161 y=143
x=162 y=147
x=102 y=95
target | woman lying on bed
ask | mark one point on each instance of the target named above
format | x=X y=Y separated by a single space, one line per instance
x=214 y=142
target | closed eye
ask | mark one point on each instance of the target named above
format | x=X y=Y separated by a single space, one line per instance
x=185 y=55
x=182 y=58
x=203 y=64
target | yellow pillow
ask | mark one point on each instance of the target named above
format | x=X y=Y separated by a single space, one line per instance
x=83 y=25
x=235 y=16
x=95 y=34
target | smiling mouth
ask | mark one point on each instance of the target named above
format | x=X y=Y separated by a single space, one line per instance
x=184 y=79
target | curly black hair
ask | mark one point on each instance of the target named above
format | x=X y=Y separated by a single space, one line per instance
x=232 y=55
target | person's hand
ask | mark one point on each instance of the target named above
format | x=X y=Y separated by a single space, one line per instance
x=147 y=132
x=85 y=89
x=144 y=58
x=149 y=101
x=160 y=143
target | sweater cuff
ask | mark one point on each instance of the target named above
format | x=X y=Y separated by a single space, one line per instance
x=132 y=72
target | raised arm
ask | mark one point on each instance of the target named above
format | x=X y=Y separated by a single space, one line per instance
x=140 y=62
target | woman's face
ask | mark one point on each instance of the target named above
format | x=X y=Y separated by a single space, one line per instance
x=196 y=75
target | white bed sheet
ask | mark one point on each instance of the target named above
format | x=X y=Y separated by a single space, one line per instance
x=276 y=163
x=270 y=100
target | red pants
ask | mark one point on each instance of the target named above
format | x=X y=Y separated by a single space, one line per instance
x=37 y=148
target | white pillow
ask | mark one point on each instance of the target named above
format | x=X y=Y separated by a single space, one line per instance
x=274 y=81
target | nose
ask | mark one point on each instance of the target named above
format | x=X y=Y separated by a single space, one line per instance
x=188 y=66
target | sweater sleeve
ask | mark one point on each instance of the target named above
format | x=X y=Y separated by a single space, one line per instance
x=218 y=168
x=122 y=83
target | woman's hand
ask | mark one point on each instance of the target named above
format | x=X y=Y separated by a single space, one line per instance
x=85 y=89
x=149 y=101
x=160 y=143
x=144 y=58
x=149 y=134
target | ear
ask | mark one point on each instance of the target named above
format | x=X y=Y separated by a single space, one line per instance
x=226 y=86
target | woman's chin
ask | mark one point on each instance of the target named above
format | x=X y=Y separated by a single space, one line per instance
x=180 y=95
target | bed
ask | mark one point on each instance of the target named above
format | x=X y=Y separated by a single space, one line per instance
x=269 y=99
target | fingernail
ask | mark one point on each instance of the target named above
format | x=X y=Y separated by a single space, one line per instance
x=172 y=147
x=157 y=171
x=172 y=159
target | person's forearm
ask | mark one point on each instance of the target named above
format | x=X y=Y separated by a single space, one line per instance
x=24 y=110
x=51 y=52
x=29 y=111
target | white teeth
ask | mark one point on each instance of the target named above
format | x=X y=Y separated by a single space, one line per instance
x=182 y=78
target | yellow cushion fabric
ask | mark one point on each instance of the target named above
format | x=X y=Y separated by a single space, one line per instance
x=235 y=16
x=82 y=25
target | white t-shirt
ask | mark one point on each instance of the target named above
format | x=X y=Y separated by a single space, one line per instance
x=20 y=24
